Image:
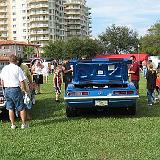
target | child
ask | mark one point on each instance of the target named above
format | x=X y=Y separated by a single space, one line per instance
x=151 y=77
x=57 y=81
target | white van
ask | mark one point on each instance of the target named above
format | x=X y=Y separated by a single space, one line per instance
x=155 y=60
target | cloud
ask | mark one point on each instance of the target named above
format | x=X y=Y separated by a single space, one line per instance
x=138 y=14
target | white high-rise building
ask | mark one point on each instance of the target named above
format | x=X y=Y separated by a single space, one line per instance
x=5 y=18
x=13 y=16
x=38 y=21
x=77 y=18
x=45 y=21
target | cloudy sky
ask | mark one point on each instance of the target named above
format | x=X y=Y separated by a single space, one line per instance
x=139 y=15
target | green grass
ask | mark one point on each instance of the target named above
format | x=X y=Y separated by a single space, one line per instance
x=52 y=136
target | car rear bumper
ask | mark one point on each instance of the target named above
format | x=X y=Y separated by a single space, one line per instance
x=101 y=97
x=111 y=103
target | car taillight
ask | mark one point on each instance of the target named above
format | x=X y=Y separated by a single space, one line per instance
x=123 y=92
x=78 y=94
x=130 y=92
x=119 y=92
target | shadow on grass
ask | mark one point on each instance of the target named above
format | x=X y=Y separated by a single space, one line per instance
x=46 y=108
x=143 y=110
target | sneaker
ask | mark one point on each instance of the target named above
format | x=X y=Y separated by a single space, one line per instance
x=13 y=126
x=23 y=126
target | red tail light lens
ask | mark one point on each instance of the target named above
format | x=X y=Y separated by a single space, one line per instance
x=130 y=92
x=84 y=93
x=123 y=92
x=119 y=92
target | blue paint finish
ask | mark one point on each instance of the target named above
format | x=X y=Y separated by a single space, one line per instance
x=100 y=78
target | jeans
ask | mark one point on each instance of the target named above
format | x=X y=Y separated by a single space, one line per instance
x=14 y=99
x=151 y=96
x=136 y=84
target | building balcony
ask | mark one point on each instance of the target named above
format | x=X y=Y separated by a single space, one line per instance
x=38 y=19
x=38 y=6
x=73 y=23
x=3 y=16
x=3 y=23
x=3 y=10
x=33 y=39
x=39 y=32
x=4 y=35
x=73 y=18
x=3 y=29
x=73 y=28
x=71 y=8
x=4 y=4
x=73 y=13
x=38 y=13
x=38 y=26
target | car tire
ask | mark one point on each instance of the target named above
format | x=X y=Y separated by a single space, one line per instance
x=70 y=112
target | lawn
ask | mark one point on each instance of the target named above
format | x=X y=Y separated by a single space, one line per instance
x=88 y=137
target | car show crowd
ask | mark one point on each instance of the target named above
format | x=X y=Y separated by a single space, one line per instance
x=21 y=83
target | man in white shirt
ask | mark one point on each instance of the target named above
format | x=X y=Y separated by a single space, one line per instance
x=12 y=78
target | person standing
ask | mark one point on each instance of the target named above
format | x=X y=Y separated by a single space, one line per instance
x=12 y=78
x=134 y=72
x=36 y=70
x=57 y=81
x=45 y=71
x=144 y=67
x=151 y=77
x=28 y=84
x=67 y=72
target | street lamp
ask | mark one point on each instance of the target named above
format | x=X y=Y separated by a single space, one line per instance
x=138 y=54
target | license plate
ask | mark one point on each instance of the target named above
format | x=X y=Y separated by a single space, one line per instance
x=101 y=103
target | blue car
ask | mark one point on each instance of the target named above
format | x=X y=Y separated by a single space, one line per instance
x=100 y=84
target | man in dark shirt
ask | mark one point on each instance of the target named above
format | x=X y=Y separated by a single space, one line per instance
x=134 y=72
x=67 y=72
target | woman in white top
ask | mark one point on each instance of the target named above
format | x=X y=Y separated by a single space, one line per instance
x=36 y=70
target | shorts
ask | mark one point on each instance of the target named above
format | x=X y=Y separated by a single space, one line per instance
x=14 y=99
x=38 y=78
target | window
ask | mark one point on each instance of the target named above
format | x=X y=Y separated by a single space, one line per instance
x=14 y=26
x=14 y=32
x=14 y=13
x=14 y=19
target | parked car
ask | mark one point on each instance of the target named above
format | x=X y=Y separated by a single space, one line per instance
x=2 y=101
x=100 y=84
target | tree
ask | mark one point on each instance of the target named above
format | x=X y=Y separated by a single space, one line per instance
x=77 y=47
x=73 y=48
x=150 y=43
x=27 y=52
x=54 y=50
x=119 y=39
